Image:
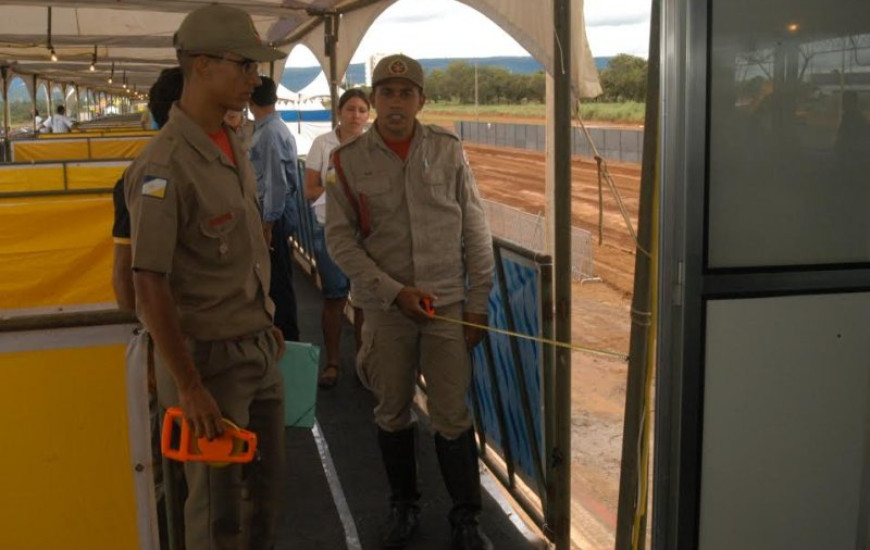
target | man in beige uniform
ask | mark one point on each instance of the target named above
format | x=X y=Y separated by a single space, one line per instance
x=405 y=223
x=201 y=273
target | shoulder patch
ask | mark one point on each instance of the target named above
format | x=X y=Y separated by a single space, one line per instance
x=154 y=187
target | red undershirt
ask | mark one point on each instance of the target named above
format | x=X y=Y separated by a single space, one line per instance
x=222 y=140
x=401 y=148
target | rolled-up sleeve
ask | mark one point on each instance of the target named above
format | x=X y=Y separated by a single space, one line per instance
x=476 y=240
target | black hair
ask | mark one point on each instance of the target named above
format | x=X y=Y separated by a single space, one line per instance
x=164 y=93
x=352 y=93
x=266 y=93
x=61 y=109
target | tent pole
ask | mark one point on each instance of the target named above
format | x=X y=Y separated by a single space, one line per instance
x=632 y=514
x=561 y=458
x=4 y=71
x=331 y=39
x=33 y=102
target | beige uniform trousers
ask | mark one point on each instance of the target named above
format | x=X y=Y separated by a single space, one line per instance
x=395 y=349
x=243 y=378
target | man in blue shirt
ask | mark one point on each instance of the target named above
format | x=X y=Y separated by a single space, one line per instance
x=273 y=154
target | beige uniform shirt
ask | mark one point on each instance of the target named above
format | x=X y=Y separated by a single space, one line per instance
x=194 y=217
x=427 y=226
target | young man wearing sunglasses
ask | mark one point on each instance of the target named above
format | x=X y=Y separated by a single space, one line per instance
x=201 y=275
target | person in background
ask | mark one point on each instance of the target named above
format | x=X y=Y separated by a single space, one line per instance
x=241 y=126
x=162 y=94
x=853 y=135
x=405 y=222
x=59 y=123
x=165 y=91
x=353 y=114
x=147 y=120
x=273 y=154
x=38 y=123
x=200 y=270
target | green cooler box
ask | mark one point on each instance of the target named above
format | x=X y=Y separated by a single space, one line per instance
x=299 y=365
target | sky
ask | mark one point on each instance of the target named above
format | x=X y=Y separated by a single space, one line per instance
x=417 y=28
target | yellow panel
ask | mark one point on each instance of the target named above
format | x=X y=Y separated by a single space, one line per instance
x=55 y=251
x=65 y=465
x=125 y=148
x=51 y=136
x=31 y=178
x=45 y=150
x=92 y=177
x=126 y=132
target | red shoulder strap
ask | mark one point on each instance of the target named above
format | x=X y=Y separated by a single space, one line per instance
x=362 y=218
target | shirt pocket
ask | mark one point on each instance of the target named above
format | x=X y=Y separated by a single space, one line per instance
x=439 y=184
x=379 y=196
x=218 y=235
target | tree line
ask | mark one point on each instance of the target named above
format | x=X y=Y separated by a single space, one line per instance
x=623 y=80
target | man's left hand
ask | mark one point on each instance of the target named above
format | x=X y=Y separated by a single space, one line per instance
x=474 y=335
x=279 y=337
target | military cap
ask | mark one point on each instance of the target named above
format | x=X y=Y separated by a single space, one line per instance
x=218 y=29
x=398 y=66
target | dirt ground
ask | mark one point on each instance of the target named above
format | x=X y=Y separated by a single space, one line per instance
x=600 y=315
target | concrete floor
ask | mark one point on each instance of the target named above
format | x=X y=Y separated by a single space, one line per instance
x=344 y=414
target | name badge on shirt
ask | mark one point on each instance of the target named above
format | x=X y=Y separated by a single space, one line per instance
x=154 y=187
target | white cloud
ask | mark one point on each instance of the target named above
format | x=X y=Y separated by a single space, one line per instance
x=417 y=28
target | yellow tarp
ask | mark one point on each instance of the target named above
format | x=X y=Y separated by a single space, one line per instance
x=55 y=251
x=38 y=177
x=78 y=148
x=94 y=175
x=49 y=150
x=65 y=466
x=132 y=131
x=121 y=148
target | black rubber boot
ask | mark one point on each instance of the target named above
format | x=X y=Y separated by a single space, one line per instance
x=400 y=461
x=459 y=468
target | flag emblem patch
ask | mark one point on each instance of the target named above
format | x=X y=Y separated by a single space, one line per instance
x=154 y=187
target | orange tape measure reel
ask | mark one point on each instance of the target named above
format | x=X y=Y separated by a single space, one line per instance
x=235 y=445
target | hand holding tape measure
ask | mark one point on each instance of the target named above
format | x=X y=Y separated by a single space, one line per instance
x=234 y=445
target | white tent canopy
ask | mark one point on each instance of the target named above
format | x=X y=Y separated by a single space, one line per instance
x=285 y=93
x=136 y=35
x=319 y=87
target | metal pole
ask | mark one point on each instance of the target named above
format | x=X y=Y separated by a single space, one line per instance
x=331 y=39
x=632 y=515
x=561 y=458
x=4 y=71
x=33 y=102
x=49 y=85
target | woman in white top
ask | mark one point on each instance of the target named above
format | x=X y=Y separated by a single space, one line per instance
x=353 y=115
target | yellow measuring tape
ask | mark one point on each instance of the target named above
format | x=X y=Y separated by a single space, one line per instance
x=557 y=343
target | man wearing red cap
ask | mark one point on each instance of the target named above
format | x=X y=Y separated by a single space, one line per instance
x=404 y=221
x=201 y=274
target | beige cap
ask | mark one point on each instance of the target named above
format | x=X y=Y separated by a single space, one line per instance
x=218 y=29
x=398 y=66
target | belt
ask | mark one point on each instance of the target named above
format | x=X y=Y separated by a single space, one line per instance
x=249 y=336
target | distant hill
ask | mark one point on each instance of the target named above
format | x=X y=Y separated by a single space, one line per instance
x=296 y=78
